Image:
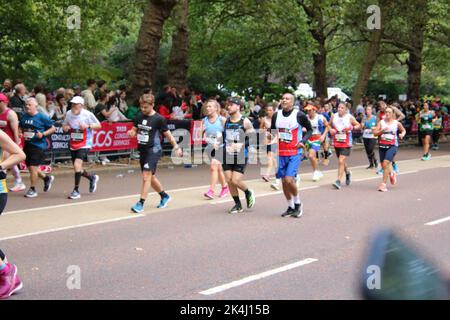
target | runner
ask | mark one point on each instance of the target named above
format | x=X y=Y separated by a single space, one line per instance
x=266 y=123
x=320 y=131
x=9 y=123
x=387 y=131
x=148 y=127
x=213 y=125
x=36 y=127
x=236 y=154
x=290 y=124
x=426 y=121
x=398 y=115
x=9 y=281
x=437 y=129
x=326 y=153
x=80 y=123
x=342 y=124
x=370 y=141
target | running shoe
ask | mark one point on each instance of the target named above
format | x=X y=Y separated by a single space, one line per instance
x=93 y=183
x=164 y=202
x=275 y=186
x=209 y=195
x=348 y=178
x=236 y=209
x=370 y=166
x=317 y=175
x=48 y=180
x=225 y=191
x=288 y=212
x=298 y=211
x=337 y=185
x=251 y=200
x=18 y=187
x=382 y=188
x=380 y=172
x=395 y=167
x=75 y=195
x=426 y=157
x=138 y=207
x=393 y=178
x=9 y=282
x=31 y=194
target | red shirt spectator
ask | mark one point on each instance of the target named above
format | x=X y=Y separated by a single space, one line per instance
x=164 y=111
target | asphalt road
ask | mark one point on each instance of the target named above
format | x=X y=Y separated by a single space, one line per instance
x=194 y=250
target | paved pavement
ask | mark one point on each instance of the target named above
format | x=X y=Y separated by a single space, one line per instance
x=194 y=250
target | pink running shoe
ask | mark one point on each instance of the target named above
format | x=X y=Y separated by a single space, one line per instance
x=382 y=188
x=225 y=191
x=9 y=282
x=209 y=194
x=393 y=178
x=18 y=187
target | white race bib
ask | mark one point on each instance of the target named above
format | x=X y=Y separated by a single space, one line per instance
x=368 y=134
x=286 y=136
x=77 y=136
x=426 y=126
x=28 y=135
x=388 y=137
x=143 y=138
x=341 y=137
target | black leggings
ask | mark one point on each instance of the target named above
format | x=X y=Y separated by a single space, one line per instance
x=436 y=136
x=3 y=200
x=369 y=145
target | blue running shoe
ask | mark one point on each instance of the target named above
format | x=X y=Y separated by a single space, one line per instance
x=380 y=172
x=138 y=208
x=164 y=202
x=395 y=167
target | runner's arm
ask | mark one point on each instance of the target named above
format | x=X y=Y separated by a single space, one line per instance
x=377 y=131
x=400 y=115
x=16 y=154
x=402 y=131
x=302 y=119
x=14 y=120
x=356 y=125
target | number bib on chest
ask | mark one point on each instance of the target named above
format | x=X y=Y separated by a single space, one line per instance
x=77 y=136
x=285 y=135
x=28 y=134
x=341 y=137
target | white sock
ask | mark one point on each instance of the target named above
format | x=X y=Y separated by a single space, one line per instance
x=291 y=203
x=277 y=181
x=297 y=199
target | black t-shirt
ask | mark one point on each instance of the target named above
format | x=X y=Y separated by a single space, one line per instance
x=98 y=111
x=150 y=129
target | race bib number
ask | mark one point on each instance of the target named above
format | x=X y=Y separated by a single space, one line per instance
x=28 y=135
x=77 y=136
x=143 y=138
x=388 y=137
x=285 y=135
x=426 y=126
x=368 y=133
x=341 y=137
x=3 y=124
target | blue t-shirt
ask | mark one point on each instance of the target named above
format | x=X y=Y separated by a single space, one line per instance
x=33 y=124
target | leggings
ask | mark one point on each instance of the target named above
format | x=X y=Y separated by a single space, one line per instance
x=436 y=136
x=369 y=145
x=3 y=200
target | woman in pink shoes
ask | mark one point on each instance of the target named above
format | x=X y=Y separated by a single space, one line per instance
x=9 y=281
x=213 y=125
x=388 y=132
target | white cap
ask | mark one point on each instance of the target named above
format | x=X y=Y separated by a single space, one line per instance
x=77 y=100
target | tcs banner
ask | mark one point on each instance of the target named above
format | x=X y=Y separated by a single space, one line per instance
x=113 y=136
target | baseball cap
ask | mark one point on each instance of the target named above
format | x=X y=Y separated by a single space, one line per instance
x=310 y=107
x=77 y=100
x=235 y=100
x=4 y=98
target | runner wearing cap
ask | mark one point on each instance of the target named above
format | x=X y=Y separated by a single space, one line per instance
x=319 y=132
x=80 y=123
x=213 y=125
x=36 y=127
x=236 y=154
x=9 y=123
x=341 y=126
x=387 y=131
x=9 y=281
x=148 y=127
x=289 y=123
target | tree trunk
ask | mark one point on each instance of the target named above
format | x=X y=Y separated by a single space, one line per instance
x=148 y=44
x=178 y=63
x=320 y=70
x=368 y=64
x=414 y=75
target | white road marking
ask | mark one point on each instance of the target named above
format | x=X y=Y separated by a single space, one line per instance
x=135 y=216
x=256 y=277
x=433 y=223
x=274 y=193
x=380 y=176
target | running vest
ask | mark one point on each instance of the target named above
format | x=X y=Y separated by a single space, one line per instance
x=318 y=127
x=5 y=125
x=426 y=121
x=343 y=126
x=390 y=136
x=81 y=139
x=368 y=124
x=289 y=132
x=213 y=131
x=3 y=187
x=234 y=132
